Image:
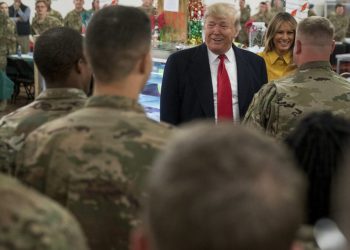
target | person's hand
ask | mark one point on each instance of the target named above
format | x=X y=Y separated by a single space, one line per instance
x=16 y=5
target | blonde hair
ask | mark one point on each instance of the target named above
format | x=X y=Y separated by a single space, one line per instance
x=274 y=25
x=223 y=10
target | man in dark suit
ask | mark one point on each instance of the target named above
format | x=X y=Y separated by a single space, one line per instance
x=199 y=83
x=20 y=14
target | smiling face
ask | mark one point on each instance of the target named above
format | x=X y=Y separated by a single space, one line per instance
x=219 y=34
x=284 y=38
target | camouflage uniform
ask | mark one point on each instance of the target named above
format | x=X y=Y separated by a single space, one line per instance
x=280 y=104
x=94 y=161
x=340 y=23
x=40 y=26
x=150 y=11
x=31 y=221
x=73 y=20
x=311 y=12
x=7 y=39
x=274 y=11
x=49 y=105
x=56 y=14
x=260 y=17
x=243 y=34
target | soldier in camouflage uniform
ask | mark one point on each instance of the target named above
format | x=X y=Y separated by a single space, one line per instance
x=147 y=6
x=245 y=15
x=208 y=183
x=94 y=160
x=278 y=105
x=74 y=18
x=340 y=22
x=67 y=79
x=42 y=20
x=277 y=8
x=30 y=221
x=54 y=13
x=11 y=36
x=311 y=11
x=7 y=38
x=263 y=15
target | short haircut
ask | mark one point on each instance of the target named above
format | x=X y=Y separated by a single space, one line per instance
x=318 y=144
x=274 y=25
x=318 y=31
x=116 y=38
x=224 y=188
x=339 y=5
x=224 y=10
x=42 y=1
x=57 y=51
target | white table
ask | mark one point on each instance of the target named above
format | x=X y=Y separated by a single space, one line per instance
x=342 y=58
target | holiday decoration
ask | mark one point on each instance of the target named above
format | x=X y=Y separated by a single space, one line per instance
x=195 y=16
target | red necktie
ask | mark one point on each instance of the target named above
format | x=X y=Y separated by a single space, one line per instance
x=224 y=95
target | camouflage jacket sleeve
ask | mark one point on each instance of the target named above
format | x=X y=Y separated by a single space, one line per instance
x=73 y=20
x=11 y=38
x=263 y=111
x=341 y=30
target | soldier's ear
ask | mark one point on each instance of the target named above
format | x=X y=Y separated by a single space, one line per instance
x=139 y=239
x=333 y=46
x=80 y=65
x=298 y=47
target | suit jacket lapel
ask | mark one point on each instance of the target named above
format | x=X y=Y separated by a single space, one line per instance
x=201 y=78
x=242 y=79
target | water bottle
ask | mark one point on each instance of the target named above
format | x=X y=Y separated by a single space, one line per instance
x=155 y=36
x=19 y=51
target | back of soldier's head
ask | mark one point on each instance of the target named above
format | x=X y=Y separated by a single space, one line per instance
x=30 y=221
x=116 y=38
x=223 y=188
x=57 y=52
x=318 y=144
x=341 y=198
x=315 y=31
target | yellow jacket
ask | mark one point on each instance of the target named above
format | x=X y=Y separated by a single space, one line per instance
x=277 y=66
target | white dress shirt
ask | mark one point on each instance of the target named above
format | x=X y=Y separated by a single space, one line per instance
x=231 y=68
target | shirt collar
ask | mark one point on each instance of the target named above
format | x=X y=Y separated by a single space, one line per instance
x=117 y=102
x=212 y=56
x=316 y=64
x=61 y=93
x=273 y=56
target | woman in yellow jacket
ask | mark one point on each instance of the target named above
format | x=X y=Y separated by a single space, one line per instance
x=279 y=43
